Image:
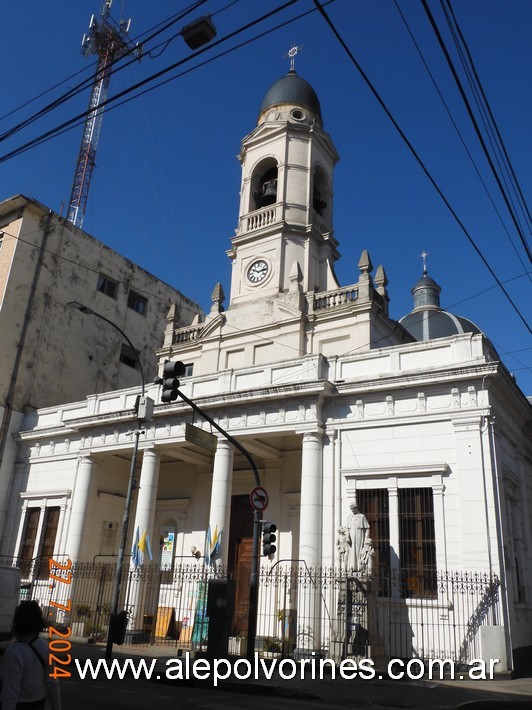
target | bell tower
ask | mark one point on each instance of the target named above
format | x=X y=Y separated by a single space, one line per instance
x=284 y=234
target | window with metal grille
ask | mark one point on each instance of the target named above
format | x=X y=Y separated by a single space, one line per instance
x=374 y=505
x=49 y=533
x=137 y=302
x=107 y=285
x=40 y=550
x=27 y=545
x=417 y=542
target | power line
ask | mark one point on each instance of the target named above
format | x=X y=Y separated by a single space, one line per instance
x=58 y=129
x=462 y=140
x=490 y=113
x=418 y=159
x=475 y=125
x=257 y=336
x=86 y=83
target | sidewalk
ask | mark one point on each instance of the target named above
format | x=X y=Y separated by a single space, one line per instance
x=330 y=693
x=339 y=693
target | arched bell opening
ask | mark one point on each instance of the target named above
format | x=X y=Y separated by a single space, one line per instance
x=321 y=194
x=264 y=184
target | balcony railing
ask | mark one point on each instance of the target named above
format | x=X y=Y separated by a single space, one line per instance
x=188 y=334
x=260 y=218
x=338 y=297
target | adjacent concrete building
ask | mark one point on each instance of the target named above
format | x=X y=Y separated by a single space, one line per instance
x=50 y=353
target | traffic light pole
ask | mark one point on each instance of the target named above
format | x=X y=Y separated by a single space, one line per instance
x=257 y=528
x=115 y=598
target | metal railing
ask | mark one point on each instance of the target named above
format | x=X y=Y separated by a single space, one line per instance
x=301 y=609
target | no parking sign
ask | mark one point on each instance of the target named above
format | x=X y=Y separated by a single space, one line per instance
x=258 y=499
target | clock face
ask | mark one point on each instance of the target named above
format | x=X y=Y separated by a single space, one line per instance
x=258 y=271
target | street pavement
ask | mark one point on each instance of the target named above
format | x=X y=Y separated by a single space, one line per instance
x=379 y=692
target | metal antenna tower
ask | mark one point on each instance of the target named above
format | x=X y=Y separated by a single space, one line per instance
x=110 y=41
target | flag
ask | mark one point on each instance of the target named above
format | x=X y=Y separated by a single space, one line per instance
x=135 y=551
x=216 y=540
x=208 y=547
x=144 y=546
x=213 y=543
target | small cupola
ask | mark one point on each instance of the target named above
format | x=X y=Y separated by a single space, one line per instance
x=427 y=320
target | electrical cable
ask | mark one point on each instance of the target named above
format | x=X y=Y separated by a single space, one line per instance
x=89 y=82
x=419 y=160
x=490 y=113
x=256 y=336
x=58 y=129
x=462 y=140
x=475 y=124
x=491 y=138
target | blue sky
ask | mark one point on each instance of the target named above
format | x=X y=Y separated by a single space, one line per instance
x=165 y=189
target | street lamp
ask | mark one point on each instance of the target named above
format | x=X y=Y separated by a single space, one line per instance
x=143 y=411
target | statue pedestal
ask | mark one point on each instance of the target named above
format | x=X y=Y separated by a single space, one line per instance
x=355 y=631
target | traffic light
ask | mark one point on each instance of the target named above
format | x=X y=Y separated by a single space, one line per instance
x=170 y=382
x=268 y=538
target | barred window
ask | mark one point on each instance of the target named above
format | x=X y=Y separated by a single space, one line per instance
x=374 y=505
x=41 y=550
x=417 y=541
x=27 y=545
x=416 y=545
x=51 y=521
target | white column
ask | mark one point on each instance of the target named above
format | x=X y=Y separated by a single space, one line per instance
x=311 y=499
x=144 y=516
x=309 y=604
x=147 y=495
x=79 y=505
x=222 y=482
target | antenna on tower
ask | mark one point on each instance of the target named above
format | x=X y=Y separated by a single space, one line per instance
x=110 y=42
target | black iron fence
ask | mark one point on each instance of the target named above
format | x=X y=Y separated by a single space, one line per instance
x=301 y=610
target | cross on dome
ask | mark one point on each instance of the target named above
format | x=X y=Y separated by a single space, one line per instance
x=423 y=256
x=291 y=54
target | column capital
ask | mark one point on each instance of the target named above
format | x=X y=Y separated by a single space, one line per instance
x=224 y=443
x=312 y=435
x=150 y=451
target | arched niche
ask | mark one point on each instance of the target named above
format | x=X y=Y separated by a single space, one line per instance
x=264 y=184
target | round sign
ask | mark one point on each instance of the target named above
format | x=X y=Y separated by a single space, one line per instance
x=259 y=498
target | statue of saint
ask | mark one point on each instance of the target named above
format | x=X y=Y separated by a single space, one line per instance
x=357 y=536
x=342 y=545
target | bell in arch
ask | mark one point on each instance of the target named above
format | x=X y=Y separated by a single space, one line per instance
x=269 y=192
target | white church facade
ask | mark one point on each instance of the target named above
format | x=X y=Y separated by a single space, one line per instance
x=417 y=422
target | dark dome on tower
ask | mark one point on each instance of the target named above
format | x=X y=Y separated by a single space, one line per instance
x=291 y=89
x=427 y=320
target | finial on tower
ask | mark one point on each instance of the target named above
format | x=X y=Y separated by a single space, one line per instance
x=294 y=49
x=423 y=256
